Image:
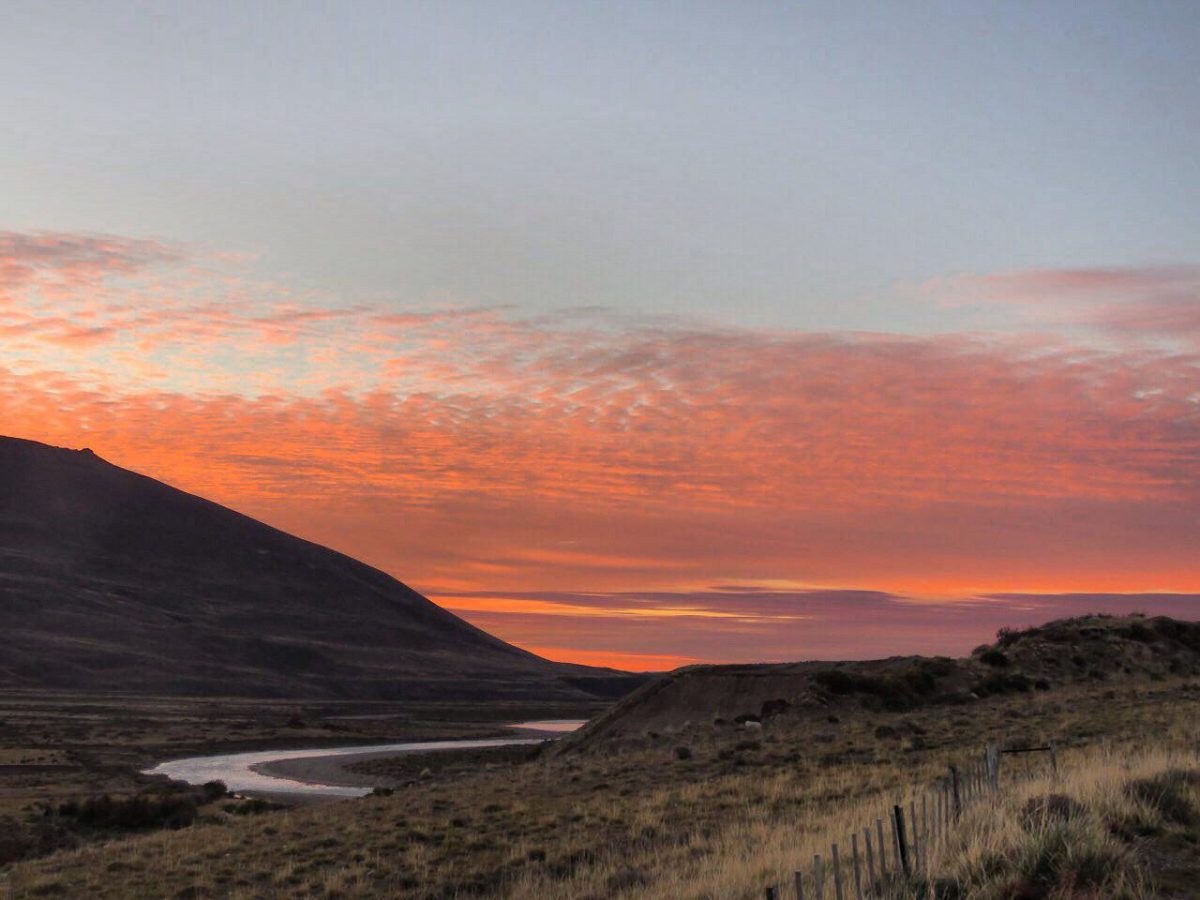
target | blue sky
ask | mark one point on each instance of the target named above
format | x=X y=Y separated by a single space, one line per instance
x=770 y=164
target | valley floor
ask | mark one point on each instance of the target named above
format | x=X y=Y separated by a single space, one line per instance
x=706 y=812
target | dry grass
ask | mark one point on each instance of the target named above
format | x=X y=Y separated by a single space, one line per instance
x=736 y=815
x=1121 y=822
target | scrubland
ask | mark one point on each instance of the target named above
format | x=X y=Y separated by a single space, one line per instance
x=713 y=811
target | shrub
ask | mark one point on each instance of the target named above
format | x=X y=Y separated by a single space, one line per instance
x=1002 y=683
x=773 y=708
x=1139 y=632
x=1063 y=860
x=1168 y=794
x=993 y=657
x=683 y=752
x=836 y=681
x=137 y=813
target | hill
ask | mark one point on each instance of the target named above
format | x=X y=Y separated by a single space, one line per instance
x=699 y=700
x=112 y=581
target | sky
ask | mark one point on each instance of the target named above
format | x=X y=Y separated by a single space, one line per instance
x=637 y=334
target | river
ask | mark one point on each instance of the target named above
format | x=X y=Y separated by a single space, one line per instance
x=244 y=772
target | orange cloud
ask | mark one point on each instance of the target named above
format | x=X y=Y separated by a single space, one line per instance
x=485 y=458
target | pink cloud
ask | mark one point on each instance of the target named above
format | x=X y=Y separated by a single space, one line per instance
x=1149 y=301
x=73 y=259
x=474 y=450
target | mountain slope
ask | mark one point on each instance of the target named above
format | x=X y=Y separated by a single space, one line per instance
x=112 y=581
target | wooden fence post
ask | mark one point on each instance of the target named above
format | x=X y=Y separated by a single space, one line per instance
x=1053 y=760
x=870 y=858
x=914 y=837
x=939 y=808
x=926 y=832
x=901 y=847
x=858 y=892
x=993 y=760
x=955 y=789
x=882 y=852
x=818 y=877
x=799 y=885
x=836 y=863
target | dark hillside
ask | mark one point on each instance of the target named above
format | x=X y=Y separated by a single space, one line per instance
x=111 y=581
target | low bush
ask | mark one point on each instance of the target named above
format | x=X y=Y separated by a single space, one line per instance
x=1169 y=794
x=137 y=813
x=993 y=657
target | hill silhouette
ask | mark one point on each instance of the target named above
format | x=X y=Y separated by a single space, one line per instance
x=112 y=581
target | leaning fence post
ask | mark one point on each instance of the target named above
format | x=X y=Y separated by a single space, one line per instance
x=870 y=858
x=858 y=894
x=897 y=864
x=882 y=852
x=954 y=789
x=901 y=846
x=836 y=863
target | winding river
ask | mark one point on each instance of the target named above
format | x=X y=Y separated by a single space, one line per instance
x=250 y=772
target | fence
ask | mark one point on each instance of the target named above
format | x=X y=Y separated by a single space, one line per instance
x=914 y=833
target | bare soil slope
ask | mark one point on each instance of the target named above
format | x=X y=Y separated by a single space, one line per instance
x=111 y=581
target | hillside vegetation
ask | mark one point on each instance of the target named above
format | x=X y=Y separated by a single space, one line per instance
x=695 y=701
x=706 y=810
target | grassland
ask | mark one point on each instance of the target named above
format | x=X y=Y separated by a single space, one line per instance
x=57 y=748
x=1121 y=821
x=701 y=812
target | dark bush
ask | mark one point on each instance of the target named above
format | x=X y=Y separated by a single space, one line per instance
x=683 y=752
x=999 y=683
x=994 y=657
x=938 y=666
x=625 y=879
x=137 y=813
x=1167 y=792
x=1006 y=637
x=773 y=708
x=836 y=681
x=1139 y=632
x=918 y=679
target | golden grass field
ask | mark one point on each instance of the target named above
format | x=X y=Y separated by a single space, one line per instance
x=734 y=812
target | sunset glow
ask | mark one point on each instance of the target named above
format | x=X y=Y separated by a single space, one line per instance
x=636 y=334
x=587 y=482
